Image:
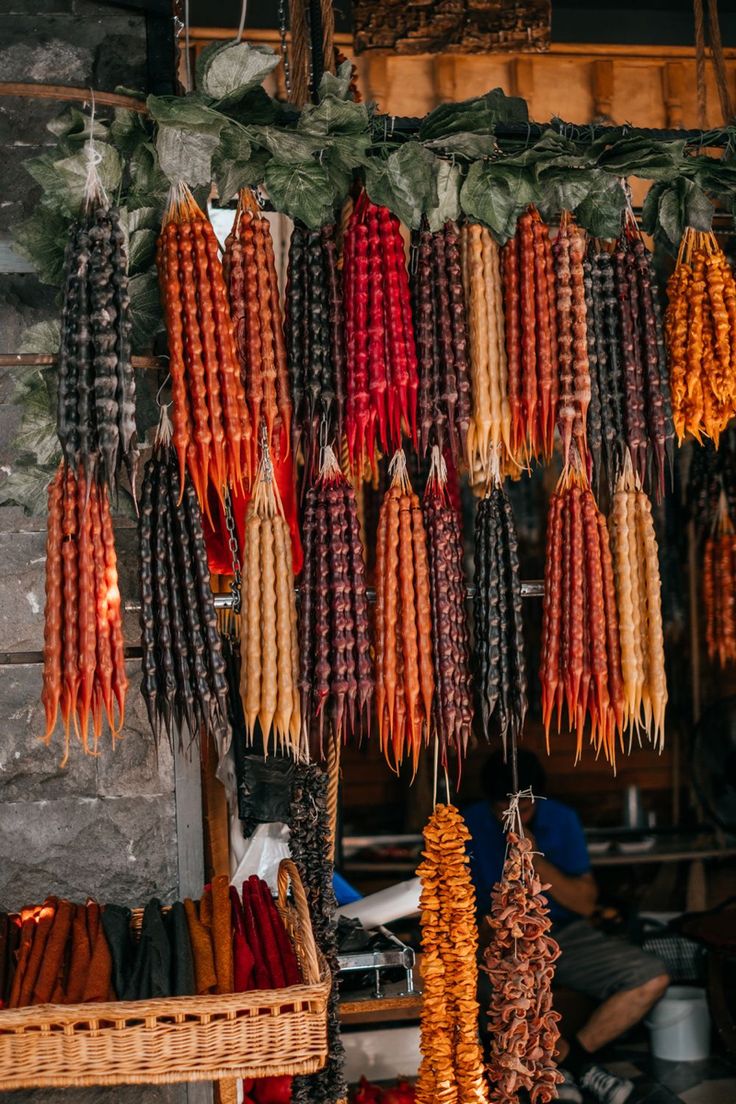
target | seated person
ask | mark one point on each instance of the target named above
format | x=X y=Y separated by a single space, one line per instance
x=625 y=980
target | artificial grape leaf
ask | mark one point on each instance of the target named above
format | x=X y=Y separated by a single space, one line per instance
x=478 y=115
x=257 y=108
x=711 y=175
x=228 y=72
x=149 y=186
x=41 y=337
x=75 y=169
x=128 y=130
x=642 y=156
x=464 y=144
x=448 y=195
x=231 y=175
x=27 y=486
x=333 y=114
x=141 y=250
x=75 y=127
x=404 y=182
x=186 y=154
x=302 y=191
x=288 y=147
x=495 y=194
x=337 y=84
x=36 y=436
x=563 y=190
x=42 y=238
x=601 y=210
x=190 y=112
x=145 y=310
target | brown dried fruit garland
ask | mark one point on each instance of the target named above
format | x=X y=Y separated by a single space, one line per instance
x=639 y=603
x=269 y=646
x=336 y=670
x=250 y=275
x=404 y=658
x=453 y=699
x=719 y=589
x=573 y=384
x=83 y=654
x=212 y=428
x=700 y=330
x=519 y=961
x=451 y=1070
x=581 y=653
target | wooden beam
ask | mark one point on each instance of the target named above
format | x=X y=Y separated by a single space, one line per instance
x=71 y=93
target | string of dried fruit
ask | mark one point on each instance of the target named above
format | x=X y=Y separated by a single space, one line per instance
x=211 y=426
x=382 y=372
x=453 y=704
x=310 y=846
x=531 y=337
x=84 y=657
x=404 y=658
x=711 y=473
x=250 y=275
x=451 y=1070
x=498 y=625
x=315 y=339
x=441 y=339
x=184 y=682
x=581 y=654
x=336 y=672
x=269 y=648
x=700 y=331
x=572 y=337
x=96 y=384
x=638 y=596
x=490 y=430
x=719 y=596
x=519 y=961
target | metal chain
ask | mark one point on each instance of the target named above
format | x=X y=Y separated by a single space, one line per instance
x=284 y=51
x=232 y=540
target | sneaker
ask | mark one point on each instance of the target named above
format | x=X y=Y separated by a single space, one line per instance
x=567 y=1089
x=605 y=1087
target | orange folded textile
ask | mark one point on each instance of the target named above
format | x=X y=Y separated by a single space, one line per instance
x=44 y=923
x=53 y=956
x=27 y=931
x=81 y=952
x=222 y=933
x=205 y=977
x=98 y=983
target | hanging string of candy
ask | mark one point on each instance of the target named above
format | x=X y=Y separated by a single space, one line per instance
x=336 y=671
x=83 y=655
x=453 y=700
x=573 y=398
x=315 y=339
x=519 y=961
x=253 y=292
x=639 y=604
x=719 y=588
x=212 y=432
x=382 y=371
x=184 y=678
x=405 y=684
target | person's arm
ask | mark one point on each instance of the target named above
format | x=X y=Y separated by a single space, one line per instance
x=577 y=892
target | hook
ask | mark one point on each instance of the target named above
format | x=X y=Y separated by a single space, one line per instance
x=159 y=404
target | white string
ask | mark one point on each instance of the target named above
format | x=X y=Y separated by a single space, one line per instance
x=512 y=821
x=187 y=58
x=241 y=25
x=93 y=188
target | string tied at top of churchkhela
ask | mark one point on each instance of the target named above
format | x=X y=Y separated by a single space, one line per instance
x=520 y=963
x=252 y=287
x=639 y=603
x=95 y=411
x=184 y=678
x=269 y=643
x=336 y=672
x=500 y=665
x=404 y=658
x=453 y=703
x=315 y=340
x=700 y=332
x=719 y=587
x=451 y=1069
x=530 y=309
x=212 y=433
x=441 y=339
x=580 y=666
x=83 y=656
x=572 y=337
x=382 y=374
x=489 y=436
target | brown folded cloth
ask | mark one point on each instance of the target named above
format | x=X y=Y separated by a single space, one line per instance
x=222 y=933
x=11 y=956
x=98 y=982
x=28 y=918
x=205 y=977
x=53 y=955
x=5 y=922
x=81 y=952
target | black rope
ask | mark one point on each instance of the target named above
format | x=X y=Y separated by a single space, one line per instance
x=315 y=34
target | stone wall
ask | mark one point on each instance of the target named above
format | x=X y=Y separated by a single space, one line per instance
x=103 y=826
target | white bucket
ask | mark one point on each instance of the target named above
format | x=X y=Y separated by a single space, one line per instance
x=679 y=1025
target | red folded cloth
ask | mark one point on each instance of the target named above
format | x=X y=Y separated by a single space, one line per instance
x=243 y=961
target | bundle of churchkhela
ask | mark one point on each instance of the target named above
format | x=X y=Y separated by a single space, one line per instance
x=212 y=434
x=712 y=472
x=83 y=653
x=573 y=383
x=336 y=671
x=314 y=327
x=451 y=1069
x=184 y=679
x=253 y=292
x=719 y=580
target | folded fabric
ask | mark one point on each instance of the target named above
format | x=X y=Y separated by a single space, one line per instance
x=48 y=980
x=116 y=926
x=261 y=972
x=79 y=956
x=28 y=929
x=98 y=984
x=11 y=956
x=267 y=935
x=222 y=933
x=287 y=954
x=243 y=961
x=44 y=919
x=205 y=978
x=152 y=969
x=182 y=982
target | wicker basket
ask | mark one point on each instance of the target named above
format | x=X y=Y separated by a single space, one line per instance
x=255 y=1034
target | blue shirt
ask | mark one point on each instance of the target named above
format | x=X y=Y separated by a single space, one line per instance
x=559 y=835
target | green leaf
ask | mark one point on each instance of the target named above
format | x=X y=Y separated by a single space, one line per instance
x=127 y=130
x=478 y=115
x=333 y=114
x=496 y=194
x=232 y=174
x=42 y=239
x=73 y=170
x=190 y=112
x=149 y=186
x=302 y=191
x=142 y=218
x=404 y=182
x=287 y=147
x=145 y=309
x=646 y=157
x=563 y=190
x=141 y=250
x=257 y=108
x=601 y=211
x=227 y=72
x=28 y=487
x=186 y=155
x=337 y=84
x=448 y=195
x=465 y=144
x=41 y=337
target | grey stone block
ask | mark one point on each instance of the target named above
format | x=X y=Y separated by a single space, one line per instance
x=22 y=560
x=135 y=766
x=10 y=419
x=120 y=59
x=122 y=1094
x=24 y=300
x=33 y=52
x=116 y=849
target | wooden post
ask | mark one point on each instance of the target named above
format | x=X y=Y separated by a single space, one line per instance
x=522 y=79
x=444 y=74
x=603 y=89
x=674 y=78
